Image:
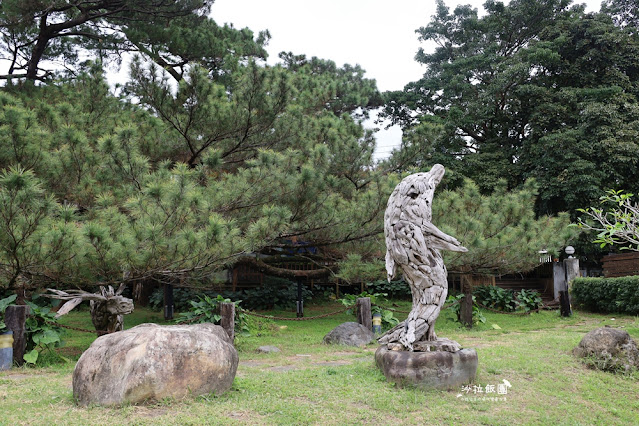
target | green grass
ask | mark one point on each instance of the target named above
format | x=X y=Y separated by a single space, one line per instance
x=312 y=383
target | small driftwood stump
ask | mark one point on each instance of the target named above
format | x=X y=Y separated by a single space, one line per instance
x=412 y=245
x=107 y=307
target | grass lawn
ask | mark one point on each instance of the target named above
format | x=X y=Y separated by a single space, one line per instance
x=312 y=383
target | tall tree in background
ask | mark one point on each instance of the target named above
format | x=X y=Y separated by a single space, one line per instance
x=532 y=89
x=171 y=33
x=501 y=230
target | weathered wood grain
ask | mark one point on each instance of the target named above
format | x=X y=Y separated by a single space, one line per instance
x=412 y=247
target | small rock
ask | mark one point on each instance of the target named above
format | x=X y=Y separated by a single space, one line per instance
x=268 y=349
x=349 y=333
x=609 y=349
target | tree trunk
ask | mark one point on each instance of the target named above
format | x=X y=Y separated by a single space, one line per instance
x=38 y=49
x=15 y=317
x=364 y=316
x=227 y=321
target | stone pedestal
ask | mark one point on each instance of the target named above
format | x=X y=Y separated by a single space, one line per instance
x=438 y=368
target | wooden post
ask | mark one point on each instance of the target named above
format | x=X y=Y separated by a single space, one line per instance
x=235 y=278
x=466 y=308
x=300 y=300
x=168 y=301
x=227 y=321
x=364 y=315
x=15 y=317
x=571 y=268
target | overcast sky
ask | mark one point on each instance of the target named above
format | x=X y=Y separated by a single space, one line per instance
x=379 y=35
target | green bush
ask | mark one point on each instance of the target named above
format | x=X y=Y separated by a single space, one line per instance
x=607 y=295
x=4 y=303
x=42 y=330
x=275 y=293
x=529 y=300
x=388 y=317
x=496 y=298
x=507 y=300
x=455 y=307
x=43 y=333
x=207 y=310
x=182 y=298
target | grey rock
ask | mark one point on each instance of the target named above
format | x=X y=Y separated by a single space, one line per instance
x=152 y=362
x=609 y=349
x=428 y=370
x=349 y=333
x=268 y=349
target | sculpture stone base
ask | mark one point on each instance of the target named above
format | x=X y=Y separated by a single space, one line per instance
x=435 y=369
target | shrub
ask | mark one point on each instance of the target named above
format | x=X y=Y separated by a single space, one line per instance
x=4 y=303
x=507 y=300
x=275 y=293
x=496 y=298
x=43 y=332
x=529 y=300
x=607 y=295
x=182 y=298
x=207 y=310
x=478 y=317
x=388 y=317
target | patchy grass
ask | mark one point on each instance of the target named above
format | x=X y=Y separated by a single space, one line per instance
x=310 y=383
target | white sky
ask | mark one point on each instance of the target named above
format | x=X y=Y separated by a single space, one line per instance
x=378 y=35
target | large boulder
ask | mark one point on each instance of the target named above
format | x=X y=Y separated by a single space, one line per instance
x=610 y=349
x=152 y=362
x=351 y=334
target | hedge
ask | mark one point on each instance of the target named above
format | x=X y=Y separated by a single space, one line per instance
x=607 y=295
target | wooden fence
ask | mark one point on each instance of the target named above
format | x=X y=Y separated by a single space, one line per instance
x=621 y=265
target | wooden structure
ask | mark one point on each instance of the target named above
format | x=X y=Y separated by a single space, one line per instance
x=457 y=282
x=540 y=279
x=245 y=275
x=621 y=265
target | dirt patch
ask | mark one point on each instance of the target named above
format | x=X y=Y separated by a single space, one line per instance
x=70 y=351
x=248 y=417
x=344 y=353
x=150 y=412
x=283 y=368
x=17 y=376
x=252 y=363
x=331 y=363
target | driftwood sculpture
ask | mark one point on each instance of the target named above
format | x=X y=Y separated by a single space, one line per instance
x=412 y=245
x=107 y=307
